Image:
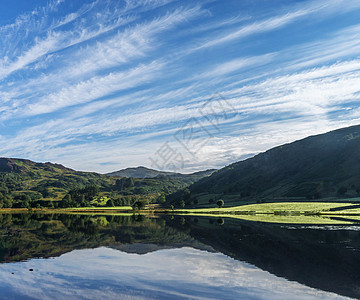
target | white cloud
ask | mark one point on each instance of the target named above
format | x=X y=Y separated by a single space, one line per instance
x=255 y=28
x=236 y=65
x=301 y=100
x=88 y=61
x=94 y=88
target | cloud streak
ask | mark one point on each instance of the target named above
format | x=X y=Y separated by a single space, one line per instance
x=124 y=76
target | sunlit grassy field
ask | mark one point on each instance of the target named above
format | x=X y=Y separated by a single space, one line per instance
x=280 y=212
x=100 y=208
x=271 y=208
x=285 y=212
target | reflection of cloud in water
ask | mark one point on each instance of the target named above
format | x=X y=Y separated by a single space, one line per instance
x=172 y=274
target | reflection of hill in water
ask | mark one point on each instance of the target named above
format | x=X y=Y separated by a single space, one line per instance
x=25 y=236
x=325 y=259
x=140 y=248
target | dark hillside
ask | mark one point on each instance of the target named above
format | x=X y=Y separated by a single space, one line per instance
x=326 y=165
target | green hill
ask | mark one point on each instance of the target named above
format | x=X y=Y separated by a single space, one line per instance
x=320 y=166
x=24 y=183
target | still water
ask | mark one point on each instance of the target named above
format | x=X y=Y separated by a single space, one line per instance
x=97 y=257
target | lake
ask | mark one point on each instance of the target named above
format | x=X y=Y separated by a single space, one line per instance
x=134 y=257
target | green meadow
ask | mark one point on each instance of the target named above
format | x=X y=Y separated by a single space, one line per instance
x=286 y=212
x=272 y=208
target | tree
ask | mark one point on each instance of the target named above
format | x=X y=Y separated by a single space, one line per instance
x=161 y=199
x=220 y=203
x=91 y=190
x=186 y=195
x=66 y=201
x=342 y=191
x=182 y=204
x=110 y=203
x=139 y=204
x=124 y=183
x=7 y=202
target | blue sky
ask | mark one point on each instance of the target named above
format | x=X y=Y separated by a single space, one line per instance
x=174 y=85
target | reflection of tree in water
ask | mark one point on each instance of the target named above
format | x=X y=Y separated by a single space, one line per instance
x=26 y=236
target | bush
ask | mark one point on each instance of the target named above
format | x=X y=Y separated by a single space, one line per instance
x=220 y=203
x=139 y=204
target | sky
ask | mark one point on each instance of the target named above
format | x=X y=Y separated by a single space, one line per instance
x=173 y=85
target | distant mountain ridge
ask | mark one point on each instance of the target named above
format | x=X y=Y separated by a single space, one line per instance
x=140 y=172
x=325 y=165
x=143 y=172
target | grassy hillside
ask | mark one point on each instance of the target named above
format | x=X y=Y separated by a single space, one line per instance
x=321 y=166
x=24 y=183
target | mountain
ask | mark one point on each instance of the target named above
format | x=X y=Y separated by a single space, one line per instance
x=325 y=165
x=24 y=165
x=143 y=172
x=24 y=183
x=139 y=172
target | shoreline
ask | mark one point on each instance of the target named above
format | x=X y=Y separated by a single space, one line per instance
x=288 y=209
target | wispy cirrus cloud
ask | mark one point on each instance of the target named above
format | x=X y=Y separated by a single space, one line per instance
x=55 y=41
x=255 y=28
x=114 y=51
x=126 y=75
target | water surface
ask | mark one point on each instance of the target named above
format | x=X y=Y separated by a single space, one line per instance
x=97 y=257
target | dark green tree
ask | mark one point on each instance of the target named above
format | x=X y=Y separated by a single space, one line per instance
x=161 y=199
x=110 y=203
x=220 y=203
x=186 y=195
x=139 y=204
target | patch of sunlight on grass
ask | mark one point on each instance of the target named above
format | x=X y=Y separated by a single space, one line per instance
x=270 y=218
x=300 y=207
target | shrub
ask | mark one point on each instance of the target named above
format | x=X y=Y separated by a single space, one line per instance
x=220 y=203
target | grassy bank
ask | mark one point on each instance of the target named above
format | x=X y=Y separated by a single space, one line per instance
x=283 y=212
x=272 y=208
x=77 y=210
x=281 y=208
x=319 y=213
